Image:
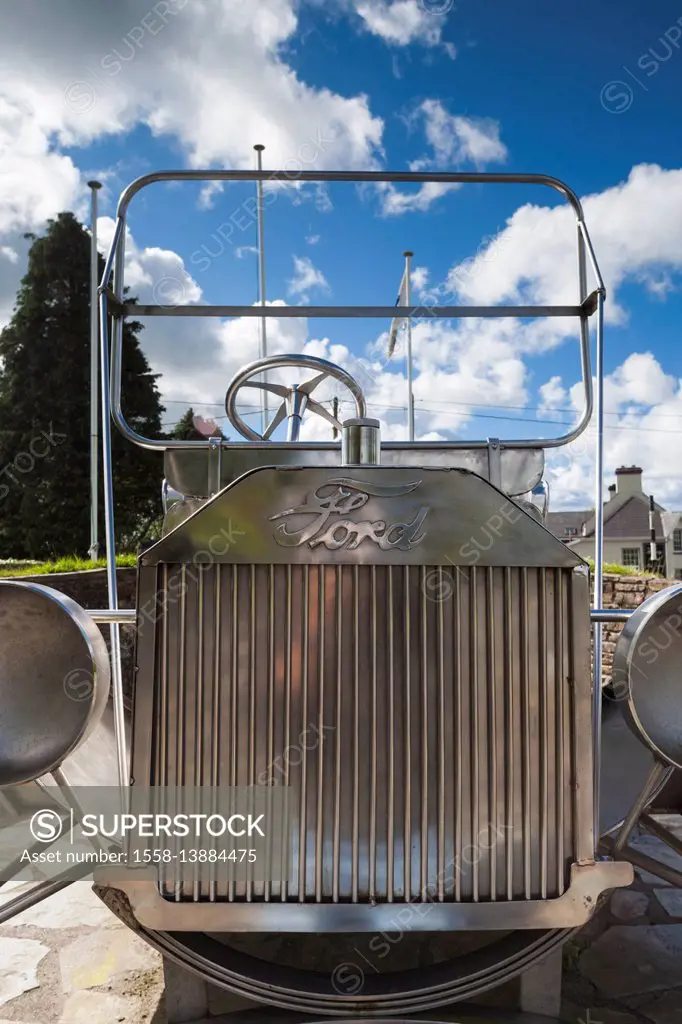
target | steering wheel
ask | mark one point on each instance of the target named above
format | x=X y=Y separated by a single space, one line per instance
x=296 y=400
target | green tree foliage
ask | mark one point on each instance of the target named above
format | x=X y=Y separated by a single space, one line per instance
x=187 y=428
x=45 y=410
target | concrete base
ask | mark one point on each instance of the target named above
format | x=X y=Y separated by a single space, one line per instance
x=532 y=998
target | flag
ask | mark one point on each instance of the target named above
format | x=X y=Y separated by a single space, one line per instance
x=396 y=322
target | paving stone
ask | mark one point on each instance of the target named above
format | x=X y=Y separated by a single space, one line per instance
x=671 y=900
x=99 y=1008
x=77 y=906
x=627 y=961
x=104 y=958
x=19 y=959
x=666 y=1010
x=657 y=849
x=628 y=904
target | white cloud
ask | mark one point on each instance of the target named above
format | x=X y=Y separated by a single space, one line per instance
x=8 y=253
x=419 y=279
x=533 y=260
x=553 y=397
x=402 y=22
x=643 y=424
x=633 y=226
x=312 y=239
x=86 y=72
x=454 y=142
x=306 y=278
x=393 y=201
x=639 y=380
x=83 y=72
x=457 y=368
x=11 y=272
x=35 y=182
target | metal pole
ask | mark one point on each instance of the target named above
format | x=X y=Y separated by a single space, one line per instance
x=652 y=535
x=118 y=249
x=410 y=396
x=654 y=777
x=598 y=555
x=261 y=279
x=335 y=414
x=93 y=551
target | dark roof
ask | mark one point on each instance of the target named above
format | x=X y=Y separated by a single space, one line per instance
x=627 y=517
x=559 y=522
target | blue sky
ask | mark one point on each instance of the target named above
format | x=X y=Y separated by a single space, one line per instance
x=589 y=94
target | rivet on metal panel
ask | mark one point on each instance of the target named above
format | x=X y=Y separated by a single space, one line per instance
x=495 y=462
x=215 y=451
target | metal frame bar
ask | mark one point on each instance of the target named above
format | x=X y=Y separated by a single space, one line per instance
x=661 y=832
x=128 y=616
x=619 y=847
x=610 y=614
x=113 y=300
x=134 y=309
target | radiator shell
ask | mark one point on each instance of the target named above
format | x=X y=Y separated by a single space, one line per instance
x=432 y=720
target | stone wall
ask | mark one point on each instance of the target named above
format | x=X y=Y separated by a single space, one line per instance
x=624 y=592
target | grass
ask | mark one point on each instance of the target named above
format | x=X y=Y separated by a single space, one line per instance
x=613 y=569
x=69 y=563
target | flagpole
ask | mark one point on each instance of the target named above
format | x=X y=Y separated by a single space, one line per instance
x=93 y=552
x=261 y=279
x=410 y=396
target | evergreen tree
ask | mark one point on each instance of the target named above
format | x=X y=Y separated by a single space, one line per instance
x=45 y=410
x=187 y=428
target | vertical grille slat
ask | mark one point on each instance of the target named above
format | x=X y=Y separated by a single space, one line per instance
x=474 y=629
x=303 y=777
x=422 y=717
x=287 y=658
x=509 y=731
x=440 y=873
x=390 y=727
x=338 y=734
x=560 y=680
x=491 y=686
x=374 y=743
x=407 y=766
x=355 y=828
x=525 y=734
x=543 y=715
x=216 y=717
x=458 y=645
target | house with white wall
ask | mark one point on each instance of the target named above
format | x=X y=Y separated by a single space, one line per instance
x=627 y=533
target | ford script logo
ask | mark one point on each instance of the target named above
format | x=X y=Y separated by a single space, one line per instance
x=331 y=505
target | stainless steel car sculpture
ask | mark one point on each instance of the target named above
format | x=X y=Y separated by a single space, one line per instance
x=404 y=603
